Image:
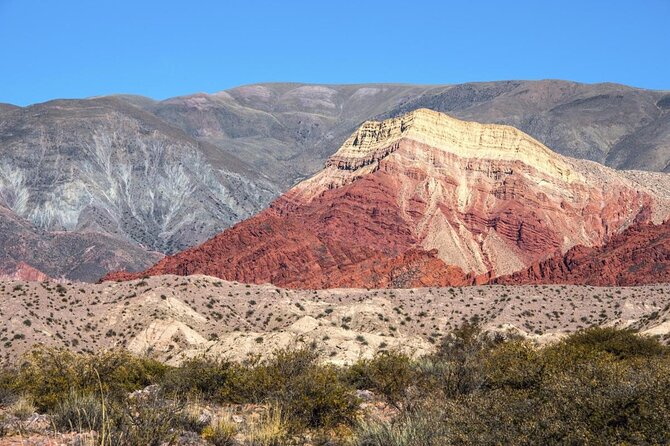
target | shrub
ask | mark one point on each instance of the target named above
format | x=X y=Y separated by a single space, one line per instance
x=270 y=430
x=623 y=344
x=21 y=409
x=8 y=392
x=199 y=378
x=50 y=375
x=220 y=432
x=317 y=399
x=309 y=394
x=258 y=380
x=148 y=419
x=598 y=386
x=573 y=392
x=517 y=364
x=423 y=428
x=80 y=413
x=389 y=374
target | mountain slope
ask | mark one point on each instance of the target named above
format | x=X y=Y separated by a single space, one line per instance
x=104 y=166
x=167 y=175
x=639 y=255
x=289 y=130
x=420 y=200
x=81 y=255
x=616 y=125
x=286 y=131
x=173 y=318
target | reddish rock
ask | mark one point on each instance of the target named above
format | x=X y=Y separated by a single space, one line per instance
x=21 y=271
x=640 y=255
x=421 y=200
x=350 y=237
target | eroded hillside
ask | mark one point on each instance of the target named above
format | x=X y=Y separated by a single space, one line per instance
x=172 y=317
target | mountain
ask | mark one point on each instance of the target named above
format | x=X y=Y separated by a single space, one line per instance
x=639 y=255
x=615 y=125
x=103 y=169
x=422 y=200
x=167 y=175
x=85 y=255
x=288 y=131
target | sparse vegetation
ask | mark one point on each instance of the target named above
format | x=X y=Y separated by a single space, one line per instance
x=598 y=386
x=461 y=387
x=50 y=376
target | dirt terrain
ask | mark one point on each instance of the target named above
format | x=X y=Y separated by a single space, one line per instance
x=173 y=317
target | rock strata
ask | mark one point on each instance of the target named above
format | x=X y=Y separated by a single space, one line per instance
x=422 y=200
x=638 y=256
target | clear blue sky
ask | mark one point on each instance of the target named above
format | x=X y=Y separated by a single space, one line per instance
x=78 y=48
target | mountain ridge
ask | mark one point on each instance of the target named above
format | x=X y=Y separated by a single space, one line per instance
x=640 y=255
x=254 y=142
x=444 y=196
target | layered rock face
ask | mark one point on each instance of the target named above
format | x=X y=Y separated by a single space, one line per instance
x=21 y=271
x=422 y=200
x=638 y=256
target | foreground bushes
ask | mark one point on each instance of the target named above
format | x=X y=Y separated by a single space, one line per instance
x=598 y=386
x=50 y=375
x=308 y=393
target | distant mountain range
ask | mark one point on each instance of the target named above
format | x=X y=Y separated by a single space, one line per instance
x=126 y=179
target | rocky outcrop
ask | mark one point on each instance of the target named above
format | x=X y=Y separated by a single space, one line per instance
x=640 y=255
x=317 y=247
x=422 y=200
x=21 y=271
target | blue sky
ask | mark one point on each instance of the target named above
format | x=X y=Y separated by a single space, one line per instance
x=76 y=48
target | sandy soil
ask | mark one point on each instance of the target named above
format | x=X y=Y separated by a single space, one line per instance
x=173 y=317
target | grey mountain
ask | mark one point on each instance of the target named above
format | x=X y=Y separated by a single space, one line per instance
x=165 y=175
x=82 y=255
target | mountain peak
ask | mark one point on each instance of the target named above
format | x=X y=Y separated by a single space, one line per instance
x=468 y=139
x=422 y=200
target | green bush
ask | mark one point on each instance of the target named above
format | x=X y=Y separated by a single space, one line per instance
x=597 y=386
x=198 y=378
x=49 y=375
x=624 y=344
x=317 y=399
x=516 y=364
x=307 y=393
x=389 y=374
x=8 y=391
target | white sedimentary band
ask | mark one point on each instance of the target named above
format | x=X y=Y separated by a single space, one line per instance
x=443 y=132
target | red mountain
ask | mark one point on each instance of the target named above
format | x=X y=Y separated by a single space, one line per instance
x=638 y=256
x=426 y=200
